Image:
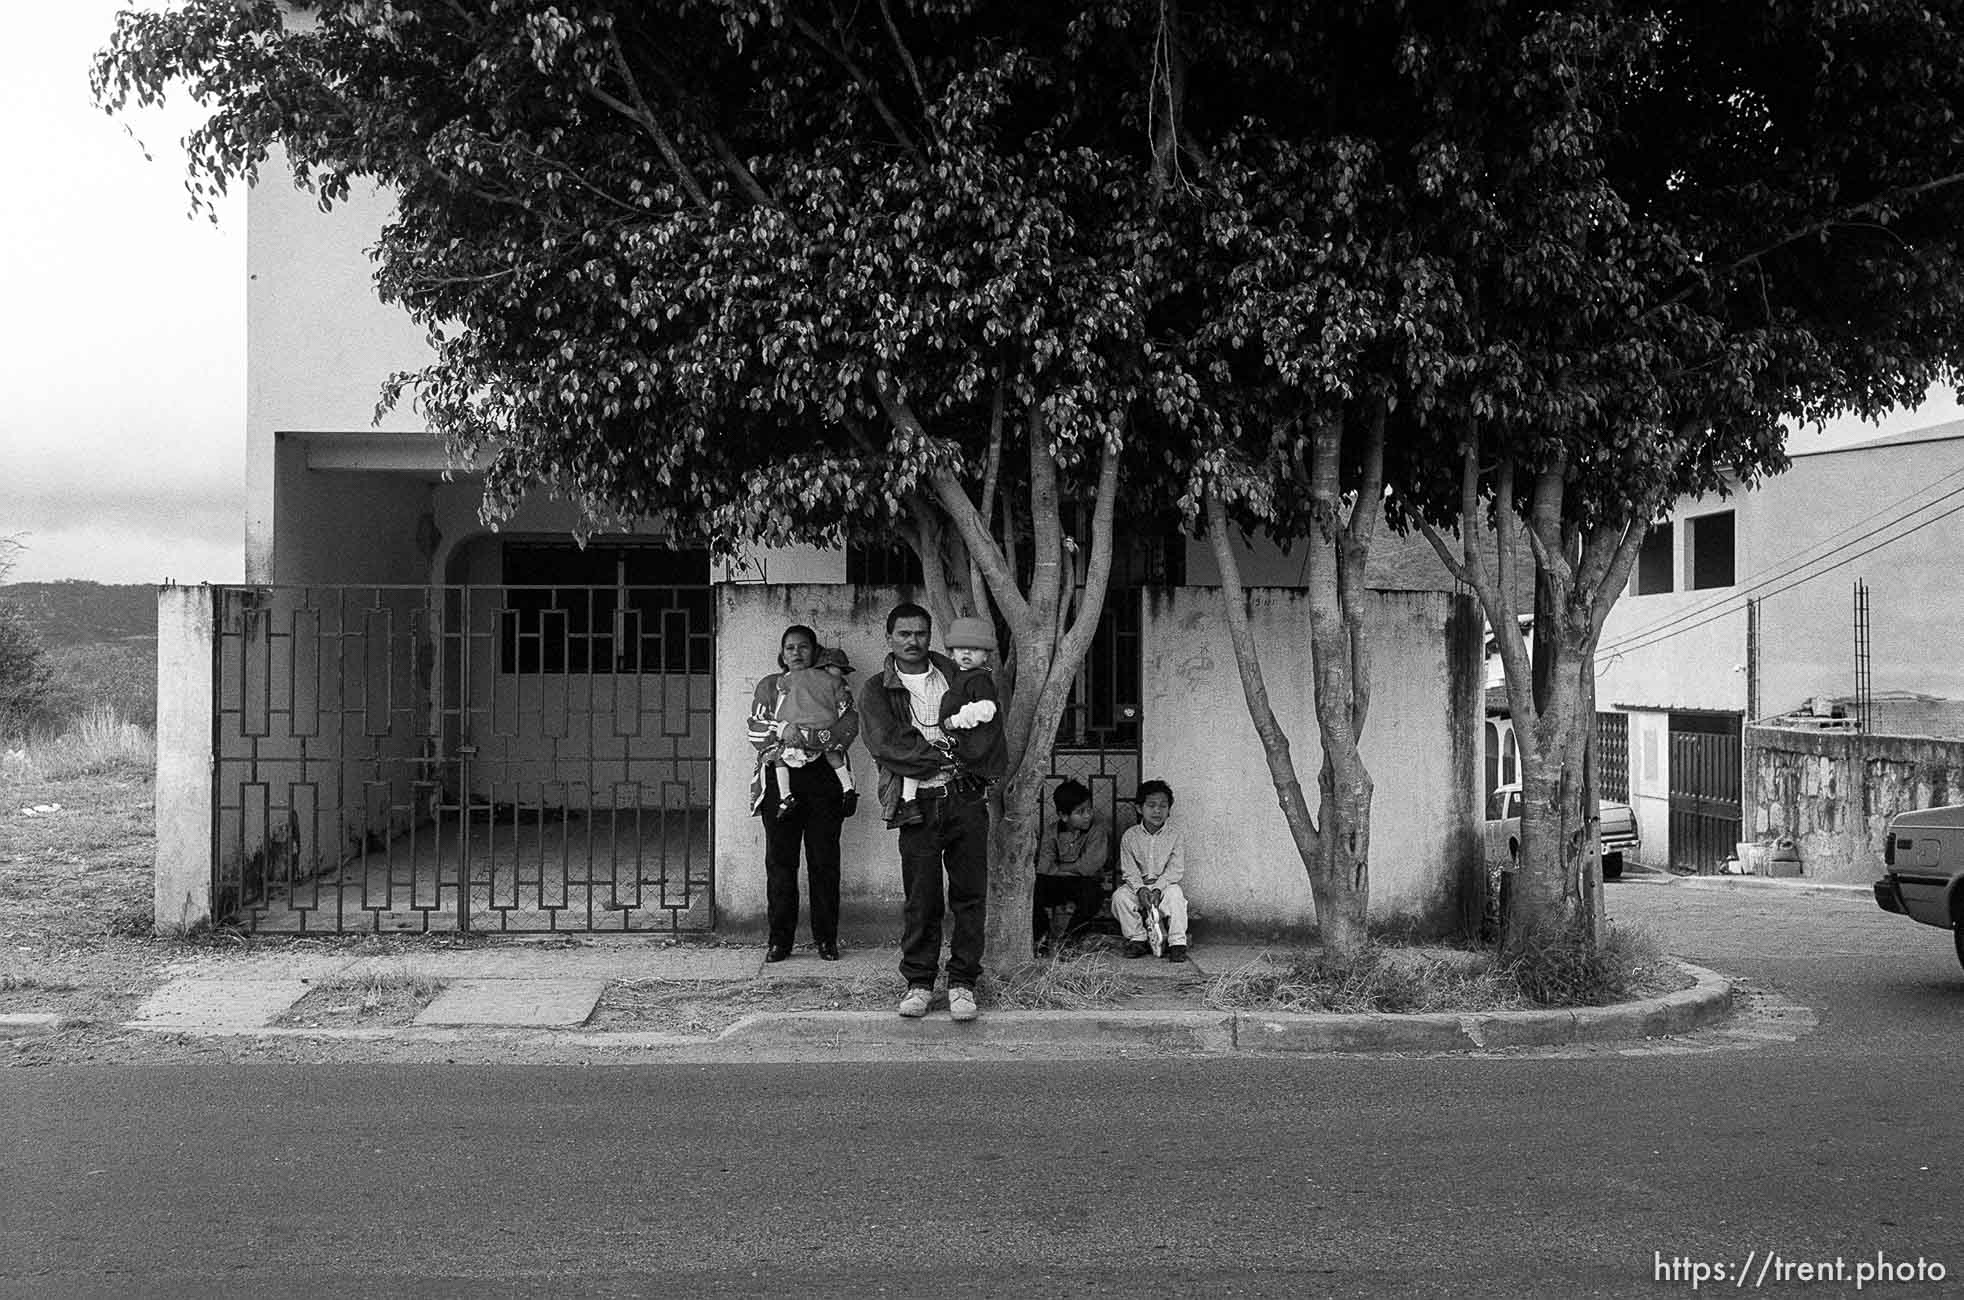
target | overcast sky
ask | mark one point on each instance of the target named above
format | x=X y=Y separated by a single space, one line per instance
x=122 y=342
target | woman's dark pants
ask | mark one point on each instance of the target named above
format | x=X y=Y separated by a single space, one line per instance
x=952 y=839
x=814 y=821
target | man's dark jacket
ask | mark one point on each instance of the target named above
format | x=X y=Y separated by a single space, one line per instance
x=886 y=724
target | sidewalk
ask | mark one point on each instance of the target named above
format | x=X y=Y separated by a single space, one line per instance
x=555 y=994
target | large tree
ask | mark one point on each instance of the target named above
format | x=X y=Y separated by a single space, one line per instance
x=770 y=271
x=1684 y=224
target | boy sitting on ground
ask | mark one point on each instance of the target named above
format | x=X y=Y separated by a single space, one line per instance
x=1152 y=856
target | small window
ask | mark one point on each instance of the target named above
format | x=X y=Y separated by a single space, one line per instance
x=1710 y=543
x=883 y=566
x=1654 y=562
x=605 y=609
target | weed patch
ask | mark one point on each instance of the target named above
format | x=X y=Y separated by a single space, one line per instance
x=1071 y=980
x=1377 y=979
x=365 y=1000
x=1569 y=971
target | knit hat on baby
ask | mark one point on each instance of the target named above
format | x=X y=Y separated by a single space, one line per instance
x=833 y=657
x=976 y=633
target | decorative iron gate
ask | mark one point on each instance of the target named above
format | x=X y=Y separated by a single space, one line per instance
x=1704 y=788
x=504 y=758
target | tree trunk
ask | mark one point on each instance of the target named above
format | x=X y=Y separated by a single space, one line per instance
x=1557 y=881
x=1049 y=648
x=1335 y=855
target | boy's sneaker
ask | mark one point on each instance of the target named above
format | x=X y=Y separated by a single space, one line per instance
x=1176 y=952
x=915 y=1004
x=1136 y=948
x=961 y=1004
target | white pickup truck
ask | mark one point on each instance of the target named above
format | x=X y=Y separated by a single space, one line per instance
x=1503 y=831
x=1923 y=876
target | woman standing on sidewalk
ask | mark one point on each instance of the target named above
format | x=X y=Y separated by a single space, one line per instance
x=813 y=819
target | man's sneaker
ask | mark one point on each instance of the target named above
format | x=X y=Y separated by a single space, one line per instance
x=961 y=1004
x=1176 y=952
x=915 y=1004
x=1136 y=948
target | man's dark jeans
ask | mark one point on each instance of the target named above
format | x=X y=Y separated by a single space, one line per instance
x=1085 y=894
x=953 y=837
x=815 y=821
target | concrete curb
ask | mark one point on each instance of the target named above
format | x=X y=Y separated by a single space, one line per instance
x=1814 y=888
x=1162 y=1031
x=1709 y=1000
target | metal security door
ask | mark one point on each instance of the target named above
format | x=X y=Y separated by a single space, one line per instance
x=496 y=758
x=1704 y=790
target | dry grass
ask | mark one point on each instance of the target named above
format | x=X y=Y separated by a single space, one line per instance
x=703 y=1007
x=1623 y=965
x=94 y=741
x=365 y=1000
x=1071 y=980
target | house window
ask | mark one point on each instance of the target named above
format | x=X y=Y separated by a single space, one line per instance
x=883 y=566
x=1654 y=561
x=620 y=608
x=1709 y=539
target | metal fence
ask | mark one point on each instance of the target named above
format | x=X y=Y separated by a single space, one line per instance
x=513 y=758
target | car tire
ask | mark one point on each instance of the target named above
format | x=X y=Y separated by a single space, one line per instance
x=1612 y=866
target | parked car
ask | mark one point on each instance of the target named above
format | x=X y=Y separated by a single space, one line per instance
x=1923 y=878
x=1503 y=830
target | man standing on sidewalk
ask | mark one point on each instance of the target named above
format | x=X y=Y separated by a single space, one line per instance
x=899 y=709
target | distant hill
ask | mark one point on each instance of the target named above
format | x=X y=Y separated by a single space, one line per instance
x=86 y=613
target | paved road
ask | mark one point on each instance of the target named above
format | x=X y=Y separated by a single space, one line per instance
x=1568 y=1174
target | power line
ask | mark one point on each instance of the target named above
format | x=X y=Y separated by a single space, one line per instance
x=1719 y=601
x=1629 y=646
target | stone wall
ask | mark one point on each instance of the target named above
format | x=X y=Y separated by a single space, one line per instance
x=1834 y=793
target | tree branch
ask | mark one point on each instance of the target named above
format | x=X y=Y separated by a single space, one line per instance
x=641 y=115
x=865 y=83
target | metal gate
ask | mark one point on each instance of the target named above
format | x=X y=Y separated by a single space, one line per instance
x=500 y=758
x=1704 y=789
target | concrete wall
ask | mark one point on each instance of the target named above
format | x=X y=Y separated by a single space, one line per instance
x=319 y=344
x=1832 y=507
x=181 y=885
x=1834 y=793
x=750 y=623
x=1421 y=744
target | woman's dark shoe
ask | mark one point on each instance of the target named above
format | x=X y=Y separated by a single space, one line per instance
x=777 y=952
x=849 y=803
x=828 y=951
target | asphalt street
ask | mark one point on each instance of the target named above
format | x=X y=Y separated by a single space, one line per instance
x=1627 y=1170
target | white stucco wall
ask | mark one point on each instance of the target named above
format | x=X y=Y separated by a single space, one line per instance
x=1420 y=743
x=1831 y=508
x=751 y=620
x=319 y=344
x=181 y=884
